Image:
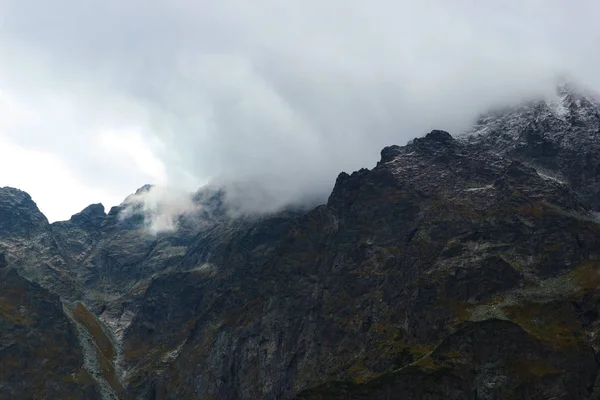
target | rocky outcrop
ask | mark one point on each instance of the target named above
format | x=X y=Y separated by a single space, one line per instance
x=78 y=236
x=39 y=351
x=28 y=243
x=492 y=359
x=559 y=136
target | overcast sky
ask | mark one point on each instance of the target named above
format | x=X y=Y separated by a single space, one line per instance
x=98 y=97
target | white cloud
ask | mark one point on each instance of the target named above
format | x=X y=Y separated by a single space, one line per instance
x=47 y=150
x=282 y=94
x=161 y=207
x=131 y=147
x=44 y=176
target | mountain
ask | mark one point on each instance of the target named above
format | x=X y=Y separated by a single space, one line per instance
x=40 y=353
x=456 y=268
x=559 y=136
x=27 y=242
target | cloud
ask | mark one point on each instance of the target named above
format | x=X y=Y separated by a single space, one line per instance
x=161 y=207
x=131 y=147
x=278 y=97
x=45 y=176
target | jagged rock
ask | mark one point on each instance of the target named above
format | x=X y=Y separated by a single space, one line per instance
x=78 y=236
x=559 y=136
x=90 y=218
x=39 y=351
x=478 y=362
x=27 y=241
x=389 y=153
x=19 y=215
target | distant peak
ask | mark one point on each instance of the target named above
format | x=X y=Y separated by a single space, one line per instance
x=91 y=216
x=439 y=136
x=144 y=189
x=93 y=210
x=14 y=192
x=19 y=214
x=134 y=197
x=390 y=152
x=433 y=140
x=10 y=196
x=568 y=88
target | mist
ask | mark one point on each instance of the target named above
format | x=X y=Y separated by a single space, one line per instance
x=275 y=98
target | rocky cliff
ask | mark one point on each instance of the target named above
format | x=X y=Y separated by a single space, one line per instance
x=558 y=135
x=456 y=268
x=40 y=356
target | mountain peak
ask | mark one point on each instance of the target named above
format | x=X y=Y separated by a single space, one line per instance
x=439 y=136
x=570 y=111
x=144 y=189
x=91 y=216
x=19 y=214
x=559 y=134
x=13 y=194
x=92 y=209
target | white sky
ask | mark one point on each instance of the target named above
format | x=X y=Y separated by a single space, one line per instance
x=98 y=97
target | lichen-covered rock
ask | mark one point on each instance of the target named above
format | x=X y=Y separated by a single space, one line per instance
x=27 y=241
x=40 y=357
x=492 y=359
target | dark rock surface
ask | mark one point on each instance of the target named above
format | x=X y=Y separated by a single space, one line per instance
x=78 y=236
x=478 y=362
x=560 y=136
x=39 y=353
x=27 y=241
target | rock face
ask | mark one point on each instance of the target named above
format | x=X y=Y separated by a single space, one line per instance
x=478 y=362
x=461 y=268
x=560 y=136
x=27 y=241
x=40 y=358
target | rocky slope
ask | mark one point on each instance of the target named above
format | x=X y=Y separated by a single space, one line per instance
x=559 y=136
x=39 y=351
x=461 y=268
x=28 y=243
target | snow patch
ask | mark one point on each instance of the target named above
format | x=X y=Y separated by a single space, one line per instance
x=558 y=108
x=206 y=269
x=90 y=358
x=173 y=354
x=549 y=178
x=479 y=189
x=118 y=327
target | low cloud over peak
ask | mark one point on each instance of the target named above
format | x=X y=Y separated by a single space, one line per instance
x=280 y=96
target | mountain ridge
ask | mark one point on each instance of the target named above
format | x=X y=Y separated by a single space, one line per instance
x=457 y=267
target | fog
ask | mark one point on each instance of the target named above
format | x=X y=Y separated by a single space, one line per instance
x=270 y=96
